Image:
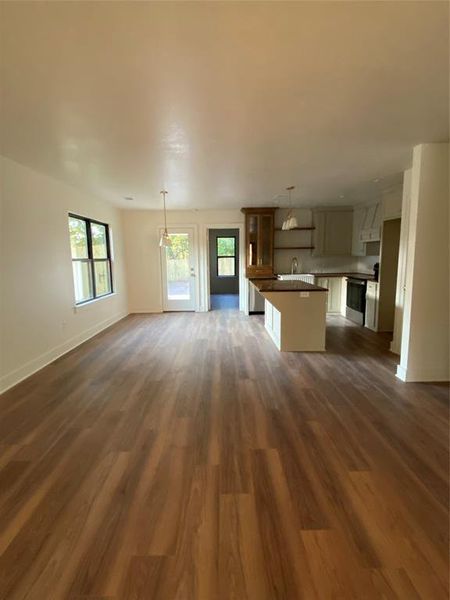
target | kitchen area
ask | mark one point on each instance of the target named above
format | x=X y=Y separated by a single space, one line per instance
x=347 y=254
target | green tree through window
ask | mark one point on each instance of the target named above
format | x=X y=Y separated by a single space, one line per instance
x=91 y=258
x=226 y=256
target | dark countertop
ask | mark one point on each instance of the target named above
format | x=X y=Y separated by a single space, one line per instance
x=363 y=276
x=275 y=285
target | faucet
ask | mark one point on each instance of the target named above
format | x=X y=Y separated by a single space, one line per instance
x=294 y=265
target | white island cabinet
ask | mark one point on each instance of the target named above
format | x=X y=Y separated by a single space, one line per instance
x=295 y=314
x=272 y=322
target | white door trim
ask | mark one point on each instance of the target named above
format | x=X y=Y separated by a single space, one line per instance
x=204 y=265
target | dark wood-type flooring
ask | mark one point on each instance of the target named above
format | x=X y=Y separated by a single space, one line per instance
x=182 y=456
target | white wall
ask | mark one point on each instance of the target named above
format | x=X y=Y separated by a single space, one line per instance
x=38 y=321
x=143 y=265
x=425 y=336
x=402 y=262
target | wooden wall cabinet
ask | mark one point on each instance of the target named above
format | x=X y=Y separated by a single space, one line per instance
x=259 y=228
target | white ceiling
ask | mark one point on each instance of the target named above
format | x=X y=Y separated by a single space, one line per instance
x=224 y=104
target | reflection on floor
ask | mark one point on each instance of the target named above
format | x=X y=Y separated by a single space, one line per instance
x=182 y=456
x=222 y=301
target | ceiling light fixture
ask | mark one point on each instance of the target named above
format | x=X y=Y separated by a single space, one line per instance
x=165 y=239
x=290 y=222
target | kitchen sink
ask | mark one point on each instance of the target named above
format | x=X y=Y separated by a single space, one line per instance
x=306 y=277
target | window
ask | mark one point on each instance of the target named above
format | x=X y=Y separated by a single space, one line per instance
x=226 y=256
x=91 y=258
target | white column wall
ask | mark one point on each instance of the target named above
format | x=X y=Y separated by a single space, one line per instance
x=425 y=336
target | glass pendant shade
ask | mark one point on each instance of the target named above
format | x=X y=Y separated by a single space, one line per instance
x=292 y=223
x=165 y=240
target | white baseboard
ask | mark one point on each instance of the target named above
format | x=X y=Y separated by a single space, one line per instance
x=401 y=373
x=422 y=375
x=394 y=348
x=275 y=340
x=14 y=377
x=145 y=311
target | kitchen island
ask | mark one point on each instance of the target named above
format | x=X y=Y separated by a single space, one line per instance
x=295 y=314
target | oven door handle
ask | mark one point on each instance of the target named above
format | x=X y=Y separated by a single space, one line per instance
x=356 y=281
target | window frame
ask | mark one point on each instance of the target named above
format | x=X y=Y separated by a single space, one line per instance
x=90 y=259
x=219 y=237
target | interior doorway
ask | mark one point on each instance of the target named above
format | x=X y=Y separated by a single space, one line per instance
x=224 y=268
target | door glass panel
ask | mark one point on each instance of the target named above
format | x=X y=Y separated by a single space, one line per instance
x=265 y=242
x=178 y=269
x=99 y=244
x=226 y=249
x=226 y=246
x=253 y=240
x=225 y=266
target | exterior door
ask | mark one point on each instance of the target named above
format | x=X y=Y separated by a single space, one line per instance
x=178 y=263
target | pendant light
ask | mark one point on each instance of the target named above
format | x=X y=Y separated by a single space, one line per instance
x=165 y=239
x=290 y=222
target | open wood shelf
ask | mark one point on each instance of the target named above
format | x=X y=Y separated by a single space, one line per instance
x=296 y=229
x=294 y=247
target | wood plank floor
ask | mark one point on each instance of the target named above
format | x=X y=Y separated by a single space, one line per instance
x=182 y=456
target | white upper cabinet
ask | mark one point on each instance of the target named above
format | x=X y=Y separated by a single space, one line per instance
x=358 y=246
x=392 y=203
x=333 y=233
x=371 y=230
x=366 y=227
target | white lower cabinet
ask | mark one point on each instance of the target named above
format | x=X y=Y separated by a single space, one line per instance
x=268 y=315
x=334 y=298
x=334 y=295
x=371 y=320
x=272 y=322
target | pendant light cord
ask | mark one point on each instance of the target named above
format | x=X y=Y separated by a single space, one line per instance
x=164 y=204
x=289 y=214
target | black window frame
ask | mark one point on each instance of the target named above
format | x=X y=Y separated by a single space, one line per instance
x=90 y=259
x=219 y=237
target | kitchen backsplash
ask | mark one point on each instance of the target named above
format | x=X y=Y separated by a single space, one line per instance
x=366 y=263
x=313 y=264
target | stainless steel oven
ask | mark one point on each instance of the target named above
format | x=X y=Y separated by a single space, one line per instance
x=356 y=300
